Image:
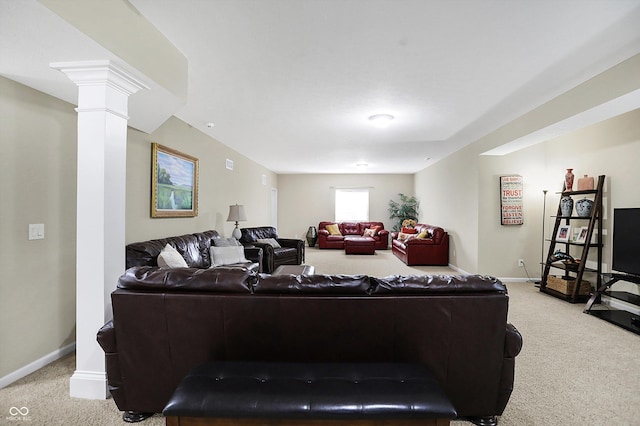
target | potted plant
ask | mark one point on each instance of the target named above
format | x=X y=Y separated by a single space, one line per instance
x=407 y=208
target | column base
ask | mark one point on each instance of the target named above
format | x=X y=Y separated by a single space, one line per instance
x=88 y=385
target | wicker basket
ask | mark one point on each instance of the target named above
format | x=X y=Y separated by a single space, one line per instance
x=565 y=285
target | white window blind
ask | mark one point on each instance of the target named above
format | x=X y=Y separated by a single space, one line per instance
x=352 y=205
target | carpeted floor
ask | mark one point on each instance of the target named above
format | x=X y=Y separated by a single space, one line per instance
x=574 y=369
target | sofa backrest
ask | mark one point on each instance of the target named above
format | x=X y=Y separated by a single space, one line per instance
x=442 y=322
x=241 y=280
x=194 y=248
x=251 y=235
x=351 y=228
x=437 y=234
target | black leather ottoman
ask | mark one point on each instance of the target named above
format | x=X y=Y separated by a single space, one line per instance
x=256 y=393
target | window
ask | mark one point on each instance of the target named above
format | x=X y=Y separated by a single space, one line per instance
x=352 y=205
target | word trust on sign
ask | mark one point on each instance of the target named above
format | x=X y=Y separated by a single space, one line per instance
x=511 y=212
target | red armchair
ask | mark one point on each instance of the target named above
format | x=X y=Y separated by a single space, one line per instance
x=328 y=241
x=433 y=250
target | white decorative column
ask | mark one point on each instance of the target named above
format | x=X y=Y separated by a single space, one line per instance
x=104 y=90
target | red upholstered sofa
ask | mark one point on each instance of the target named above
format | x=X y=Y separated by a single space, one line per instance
x=433 y=250
x=326 y=240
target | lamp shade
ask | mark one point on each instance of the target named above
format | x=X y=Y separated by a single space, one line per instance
x=236 y=213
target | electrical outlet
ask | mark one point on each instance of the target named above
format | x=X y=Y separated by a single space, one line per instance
x=520 y=262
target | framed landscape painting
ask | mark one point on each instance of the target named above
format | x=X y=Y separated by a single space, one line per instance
x=174 y=183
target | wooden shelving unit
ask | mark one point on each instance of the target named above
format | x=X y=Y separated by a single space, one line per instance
x=576 y=272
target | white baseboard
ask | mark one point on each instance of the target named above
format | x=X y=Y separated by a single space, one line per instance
x=88 y=385
x=36 y=365
x=458 y=270
x=518 y=280
x=503 y=279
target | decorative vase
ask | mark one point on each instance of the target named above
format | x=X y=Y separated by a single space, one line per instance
x=312 y=236
x=586 y=183
x=583 y=207
x=566 y=206
x=568 y=180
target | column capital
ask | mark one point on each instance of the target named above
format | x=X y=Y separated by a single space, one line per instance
x=100 y=73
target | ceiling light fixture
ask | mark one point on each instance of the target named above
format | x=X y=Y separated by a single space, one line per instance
x=381 y=120
x=210 y=125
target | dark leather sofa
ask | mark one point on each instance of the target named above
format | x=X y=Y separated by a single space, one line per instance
x=433 y=250
x=290 y=252
x=328 y=241
x=194 y=248
x=167 y=321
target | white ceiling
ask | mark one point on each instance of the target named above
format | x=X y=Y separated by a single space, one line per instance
x=291 y=83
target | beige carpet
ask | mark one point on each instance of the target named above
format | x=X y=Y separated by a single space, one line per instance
x=574 y=369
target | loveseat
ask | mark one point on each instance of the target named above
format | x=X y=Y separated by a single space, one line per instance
x=167 y=321
x=431 y=250
x=328 y=241
x=276 y=251
x=195 y=249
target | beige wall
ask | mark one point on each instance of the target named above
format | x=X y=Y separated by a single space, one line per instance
x=469 y=208
x=38 y=167
x=37 y=278
x=306 y=200
x=609 y=148
x=448 y=198
x=462 y=188
x=218 y=187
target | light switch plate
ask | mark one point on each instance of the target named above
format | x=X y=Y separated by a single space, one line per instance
x=36 y=231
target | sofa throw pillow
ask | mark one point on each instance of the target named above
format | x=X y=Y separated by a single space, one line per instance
x=402 y=236
x=424 y=234
x=225 y=242
x=376 y=229
x=229 y=255
x=409 y=223
x=333 y=229
x=271 y=241
x=169 y=257
x=409 y=230
x=369 y=233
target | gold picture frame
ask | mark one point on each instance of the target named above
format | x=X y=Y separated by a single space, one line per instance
x=174 y=183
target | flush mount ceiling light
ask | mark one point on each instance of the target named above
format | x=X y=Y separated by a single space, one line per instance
x=381 y=120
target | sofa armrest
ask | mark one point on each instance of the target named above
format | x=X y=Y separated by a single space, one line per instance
x=253 y=254
x=294 y=243
x=107 y=338
x=107 y=341
x=513 y=342
x=268 y=257
x=512 y=347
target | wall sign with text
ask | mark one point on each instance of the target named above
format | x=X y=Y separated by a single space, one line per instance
x=511 y=212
